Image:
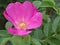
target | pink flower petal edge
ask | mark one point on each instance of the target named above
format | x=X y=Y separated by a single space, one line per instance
x=35 y=21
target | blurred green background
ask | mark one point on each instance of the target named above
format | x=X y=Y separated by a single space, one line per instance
x=47 y=34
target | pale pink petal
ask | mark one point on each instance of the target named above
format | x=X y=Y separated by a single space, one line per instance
x=24 y=32
x=12 y=31
x=35 y=21
x=30 y=9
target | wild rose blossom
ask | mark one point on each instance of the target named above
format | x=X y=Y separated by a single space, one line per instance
x=24 y=17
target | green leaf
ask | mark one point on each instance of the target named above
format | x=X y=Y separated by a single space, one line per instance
x=58 y=36
x=36 y=42
x=16 y=40
x=8 y=24
x=53 y=41
x=37 y=3
x=46 y=4
x=49 y=3
x=58 y=4
x=46 y=29
x=43 y=10
x=50 y=0
x=55 y=23
x=4 y=41
x=46 y=18
x=4 y=33
x=58 y=11
x=37 y=34
x=27 y=40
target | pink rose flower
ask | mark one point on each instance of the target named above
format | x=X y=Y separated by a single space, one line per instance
x=24 y=17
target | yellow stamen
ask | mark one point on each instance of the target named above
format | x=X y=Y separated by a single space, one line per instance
x=22 y=25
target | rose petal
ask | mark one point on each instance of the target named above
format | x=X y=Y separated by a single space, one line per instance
x=8 y=17
x=24 y=32
x=12 y=31
x=35 y=21
x=15 y=11
x=29 y=9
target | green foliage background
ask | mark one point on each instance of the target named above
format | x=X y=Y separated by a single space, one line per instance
x=47 y=34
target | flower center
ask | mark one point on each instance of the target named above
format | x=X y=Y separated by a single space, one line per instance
x=22 y=25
